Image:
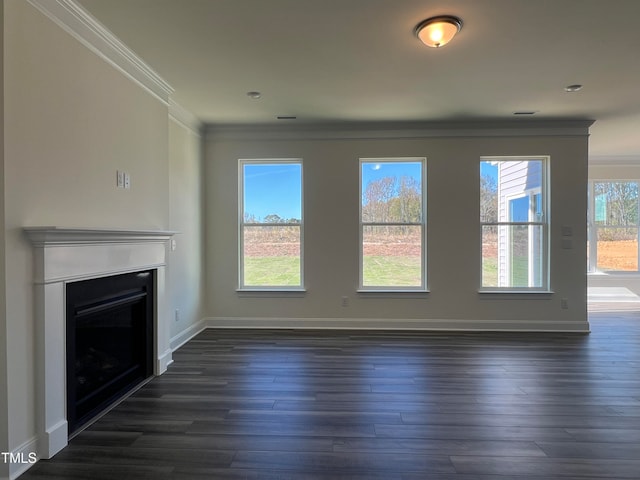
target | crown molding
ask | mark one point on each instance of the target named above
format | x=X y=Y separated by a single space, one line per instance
x=615 y=160
x=180 y=115
x=377 y=130
x=80 y=24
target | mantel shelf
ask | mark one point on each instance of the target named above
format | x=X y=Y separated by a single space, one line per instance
x=49 y=235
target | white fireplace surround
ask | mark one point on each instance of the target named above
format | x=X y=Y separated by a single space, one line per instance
x=64 y=255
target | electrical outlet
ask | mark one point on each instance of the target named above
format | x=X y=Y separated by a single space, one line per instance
x=564 y=303
x=345 y=301
x=177 y=315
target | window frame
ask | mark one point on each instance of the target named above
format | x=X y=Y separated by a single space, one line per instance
x=593 y=228
x=544 y=224
x=422 y=224
x=242 y=224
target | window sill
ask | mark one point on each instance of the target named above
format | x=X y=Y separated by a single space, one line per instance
x=391 y=291
x=274 y=291
x=518 y=292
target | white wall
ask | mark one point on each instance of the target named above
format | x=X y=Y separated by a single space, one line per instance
x=185 y=266
x=453 y=257
x=70 y=121
x=613 y=171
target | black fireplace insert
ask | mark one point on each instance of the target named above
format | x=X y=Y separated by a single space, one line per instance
x=109 y=342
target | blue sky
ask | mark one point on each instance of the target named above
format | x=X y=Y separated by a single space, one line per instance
x=273 y=189
x=487 y=168
x=276 y=188
x=372 y=170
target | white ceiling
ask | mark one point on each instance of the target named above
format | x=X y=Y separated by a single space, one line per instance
x=358 y=60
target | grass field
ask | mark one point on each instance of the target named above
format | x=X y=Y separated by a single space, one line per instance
x=277 y=263
x=519 y=276
x=272 y=258
x=397 y=271
x=378 y=270
x=274 y=271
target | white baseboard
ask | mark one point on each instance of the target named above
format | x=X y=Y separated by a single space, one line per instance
x=53 y=439
x=400 y=324
x=25 y=456
x=186 y=335
x=164 y=360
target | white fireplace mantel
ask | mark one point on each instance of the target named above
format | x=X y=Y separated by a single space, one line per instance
x=63 y=255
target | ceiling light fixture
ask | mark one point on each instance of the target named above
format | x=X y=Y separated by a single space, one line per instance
x=438 y=31
x=573 y=88
x=254 y=95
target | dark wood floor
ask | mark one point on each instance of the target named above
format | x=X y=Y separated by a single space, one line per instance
x=350 y=405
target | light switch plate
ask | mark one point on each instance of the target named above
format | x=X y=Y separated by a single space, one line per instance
x=119 y=179
x=567 y=231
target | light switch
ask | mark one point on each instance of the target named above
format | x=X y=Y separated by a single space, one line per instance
x=567 y=231
x=119 y=179
x=127 y=180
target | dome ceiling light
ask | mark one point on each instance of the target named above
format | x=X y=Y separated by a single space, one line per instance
x=438 y=31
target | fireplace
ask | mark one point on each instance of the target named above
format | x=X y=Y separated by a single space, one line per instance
x=63 y=259
x=109 y=342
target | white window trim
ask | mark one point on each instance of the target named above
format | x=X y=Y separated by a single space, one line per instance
x=545 y=224
x=592 y=229
x=423 y=224
x=241 y=224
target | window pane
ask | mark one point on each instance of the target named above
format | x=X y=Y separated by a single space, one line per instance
x=513 y=192
x=504 y=179
x=519 y=209
x=392 y=192
x=392 y=256
x=512 y=256
x=272 y=192
x=272 y=256
x=489 y=256
x=489 y=191
x=617 y=249
x=615 y=203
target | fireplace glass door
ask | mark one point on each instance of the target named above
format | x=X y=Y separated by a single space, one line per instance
x=109 y=342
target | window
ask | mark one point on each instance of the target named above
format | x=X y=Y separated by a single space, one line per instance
x=270 y=224
x=613 y=226
x=514 y=222
x=392 y=224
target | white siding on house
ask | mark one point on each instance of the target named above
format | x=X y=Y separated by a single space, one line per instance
x=515 y=179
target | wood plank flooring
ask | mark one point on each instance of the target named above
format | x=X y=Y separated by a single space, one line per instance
x=395 y=406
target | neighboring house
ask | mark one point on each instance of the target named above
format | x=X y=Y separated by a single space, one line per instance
x=520 y=204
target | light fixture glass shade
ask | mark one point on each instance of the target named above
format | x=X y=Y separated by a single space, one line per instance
x=438 y=31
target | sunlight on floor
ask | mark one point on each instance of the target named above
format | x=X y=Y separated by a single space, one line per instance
x=611 y=294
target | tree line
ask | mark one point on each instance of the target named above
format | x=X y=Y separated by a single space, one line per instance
x=272 y=218
x=392 y=200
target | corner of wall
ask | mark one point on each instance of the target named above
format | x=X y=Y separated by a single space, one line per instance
x=185 y=260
